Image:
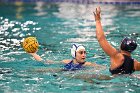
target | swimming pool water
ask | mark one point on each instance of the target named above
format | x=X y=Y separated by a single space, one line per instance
x=57 y=26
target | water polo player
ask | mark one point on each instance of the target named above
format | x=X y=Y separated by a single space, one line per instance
x=78 y=52
x=121 y=61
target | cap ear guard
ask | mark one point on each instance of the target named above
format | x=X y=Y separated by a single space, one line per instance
x=73 y=50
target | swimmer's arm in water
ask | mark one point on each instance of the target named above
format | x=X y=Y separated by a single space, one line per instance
x=108 y=49
x=136 y=65
x=66 y=61
x=98 y=66
x=95 y=65
x=87 y=77
x=38 y=58
x=50 y=70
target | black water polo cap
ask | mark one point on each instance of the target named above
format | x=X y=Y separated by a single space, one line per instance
x=128 y=44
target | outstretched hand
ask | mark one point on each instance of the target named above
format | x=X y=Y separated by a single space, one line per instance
x=97 y=14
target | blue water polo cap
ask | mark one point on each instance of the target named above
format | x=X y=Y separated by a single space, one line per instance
x=128 y=44
x=75 y=48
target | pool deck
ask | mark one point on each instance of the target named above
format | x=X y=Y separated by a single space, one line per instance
x=80 y=1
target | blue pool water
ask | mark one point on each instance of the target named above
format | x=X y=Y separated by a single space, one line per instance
x=57 y=26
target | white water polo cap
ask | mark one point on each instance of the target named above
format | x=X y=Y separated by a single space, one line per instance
x=75 y=48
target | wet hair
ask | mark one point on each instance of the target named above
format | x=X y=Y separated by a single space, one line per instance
x=128 y=44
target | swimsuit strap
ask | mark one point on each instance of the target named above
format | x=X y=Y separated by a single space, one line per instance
x=72 y=66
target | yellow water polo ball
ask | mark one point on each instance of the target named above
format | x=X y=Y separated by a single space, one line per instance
x=30 y=44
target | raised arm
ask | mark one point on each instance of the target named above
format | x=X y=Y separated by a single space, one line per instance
x=108 y=49
x=36 y=56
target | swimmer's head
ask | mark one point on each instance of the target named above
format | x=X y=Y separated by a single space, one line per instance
x=128 y=45
x=75 y=48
